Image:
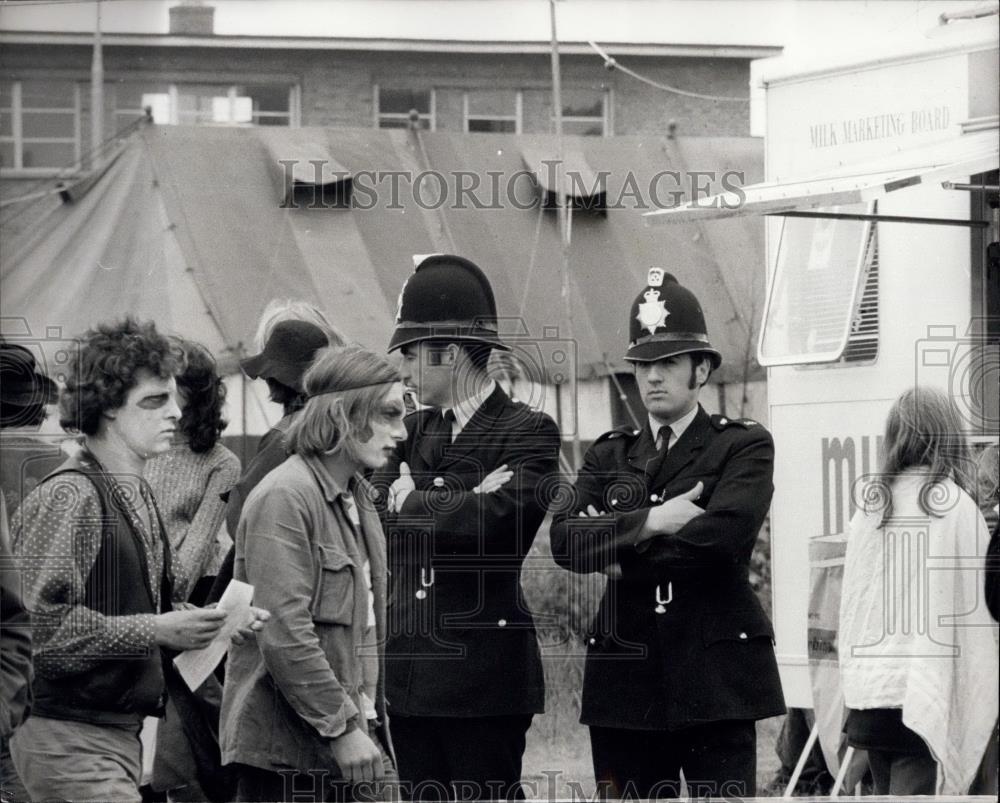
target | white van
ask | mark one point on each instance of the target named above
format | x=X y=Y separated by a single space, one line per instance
x=882 y=230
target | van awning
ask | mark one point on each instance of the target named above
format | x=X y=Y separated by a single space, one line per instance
x=859 y=183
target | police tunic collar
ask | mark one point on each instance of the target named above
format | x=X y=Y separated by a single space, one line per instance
x=466 y=408
x=677 y=428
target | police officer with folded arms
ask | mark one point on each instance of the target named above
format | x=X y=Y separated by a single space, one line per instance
x=680 y=660
x=463 y=674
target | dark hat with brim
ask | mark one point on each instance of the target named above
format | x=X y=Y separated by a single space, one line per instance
x=21 y=384
x=447 y=298
x=288 y=353
x=665 y=320
x=653 y=350
x=469 y=331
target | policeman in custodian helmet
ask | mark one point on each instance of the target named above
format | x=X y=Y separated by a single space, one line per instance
x=464 y=674
x=681 y=661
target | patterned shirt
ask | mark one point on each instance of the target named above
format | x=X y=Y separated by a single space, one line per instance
x=187 y=486
x=368 y=650
x=57 y=535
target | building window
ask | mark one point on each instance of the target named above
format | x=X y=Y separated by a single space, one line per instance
x=495 y=112
x=393 y=107
x=131 y=100
x=585 y=112
x=39 y=125
x=207 y=104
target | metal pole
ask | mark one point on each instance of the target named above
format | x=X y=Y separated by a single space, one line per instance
x=97 y=94
x=801 y=763
x=243 y=409
x=971 y=224
x=560 y=173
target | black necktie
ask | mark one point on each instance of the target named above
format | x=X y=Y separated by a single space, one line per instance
x=439 y=432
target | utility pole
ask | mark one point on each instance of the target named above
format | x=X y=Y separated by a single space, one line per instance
x=97 y=95
x=560 y=178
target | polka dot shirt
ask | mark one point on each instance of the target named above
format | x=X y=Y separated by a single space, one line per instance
x=56 y=535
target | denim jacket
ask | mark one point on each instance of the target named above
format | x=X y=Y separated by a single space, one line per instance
x=298 y=685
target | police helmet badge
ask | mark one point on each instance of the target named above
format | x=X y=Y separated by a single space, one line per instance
x=666 y=319
x=653 y=312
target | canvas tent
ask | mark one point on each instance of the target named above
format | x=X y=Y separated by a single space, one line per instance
x=198 y=228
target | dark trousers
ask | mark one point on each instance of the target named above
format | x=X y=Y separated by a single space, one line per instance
x=903 y=774
x=815 y=778
x=452 y=758
x=719 y=759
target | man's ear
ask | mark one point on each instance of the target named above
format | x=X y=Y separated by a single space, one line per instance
x=443 y=356
x=703 y=370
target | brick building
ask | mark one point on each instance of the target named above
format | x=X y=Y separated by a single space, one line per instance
x=484 y=78
x=196 y=75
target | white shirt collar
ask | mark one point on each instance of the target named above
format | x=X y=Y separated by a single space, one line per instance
x=466 y=408
x=677 y=427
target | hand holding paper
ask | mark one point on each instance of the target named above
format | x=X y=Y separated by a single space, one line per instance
x=241 y=621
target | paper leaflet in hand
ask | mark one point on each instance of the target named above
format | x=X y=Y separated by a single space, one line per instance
x=196 y=665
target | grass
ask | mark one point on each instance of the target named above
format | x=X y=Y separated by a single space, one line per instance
x=557 y=758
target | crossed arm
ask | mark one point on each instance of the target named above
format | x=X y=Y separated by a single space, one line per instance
x=508 y=491
x=680 y=531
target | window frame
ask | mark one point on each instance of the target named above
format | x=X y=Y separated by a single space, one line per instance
x=293 y=115
x=605 y=118
x=867 y=240
x=17 y=137
x=517 y=117
x=379 y=115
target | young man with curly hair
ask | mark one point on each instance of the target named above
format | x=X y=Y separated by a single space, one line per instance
x=97 y=577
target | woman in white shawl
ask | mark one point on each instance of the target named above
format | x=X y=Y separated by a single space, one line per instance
x=918 y=655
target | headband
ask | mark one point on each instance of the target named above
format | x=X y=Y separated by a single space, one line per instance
x=352 y=387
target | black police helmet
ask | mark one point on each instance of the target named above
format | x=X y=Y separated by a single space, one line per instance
x=666 y=319
x=447 y=298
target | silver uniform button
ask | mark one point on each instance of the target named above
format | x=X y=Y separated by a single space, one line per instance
x=439 y=482
x=743 y=636
x=502 y=623
x=591 y=641
x=654 y=498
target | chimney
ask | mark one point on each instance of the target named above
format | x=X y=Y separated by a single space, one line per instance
x=192 y=19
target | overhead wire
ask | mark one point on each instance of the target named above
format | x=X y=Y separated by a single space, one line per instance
x=613 y=64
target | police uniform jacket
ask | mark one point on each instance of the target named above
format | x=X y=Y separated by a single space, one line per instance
x=461 y=638
x=680 y=637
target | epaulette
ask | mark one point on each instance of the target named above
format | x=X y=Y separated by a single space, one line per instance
x=721 y=422
x=620 y=432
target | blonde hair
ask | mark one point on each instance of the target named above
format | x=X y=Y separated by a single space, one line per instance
x=285 y=309
x=345 y=387
x=924 y=430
